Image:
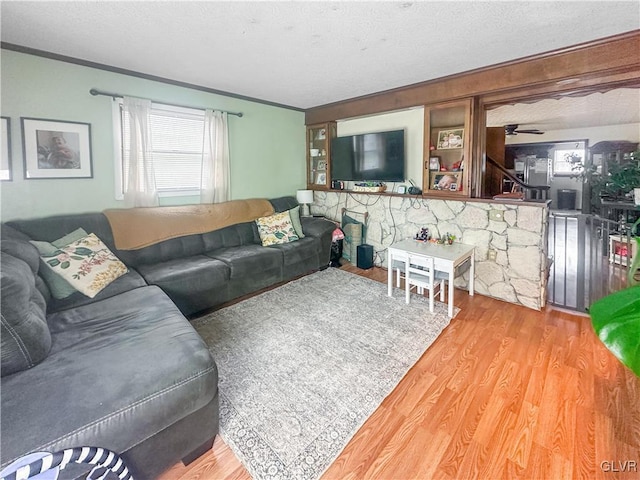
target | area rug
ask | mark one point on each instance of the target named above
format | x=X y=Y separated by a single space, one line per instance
x=302 y=366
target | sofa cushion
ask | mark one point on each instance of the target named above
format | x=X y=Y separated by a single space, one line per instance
x=299 y=257
x=87 y=264
x=22 y=250
x=50 y=229
x=119 y=371
x=193 y=283
x=322 y=230
x=282 y=204
x=25 y=251
x=276 y=229
x=248 y=260
x=126 y=282
x=164 y=251
x=233 y=236
x=25 y=336
x=299 y=252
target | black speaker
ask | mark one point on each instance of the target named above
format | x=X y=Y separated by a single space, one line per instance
x=365 y=256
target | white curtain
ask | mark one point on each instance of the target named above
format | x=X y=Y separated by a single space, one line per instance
x=215 y=183
x=140 y=190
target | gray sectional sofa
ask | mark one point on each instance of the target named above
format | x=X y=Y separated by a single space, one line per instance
x=125 y=370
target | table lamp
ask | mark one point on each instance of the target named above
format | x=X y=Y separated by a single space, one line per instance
x=305 y=197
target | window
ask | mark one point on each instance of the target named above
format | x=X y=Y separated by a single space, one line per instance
x=568 y=162
x=176 y=137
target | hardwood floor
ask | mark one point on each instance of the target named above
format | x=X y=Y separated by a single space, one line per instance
x=504 y=392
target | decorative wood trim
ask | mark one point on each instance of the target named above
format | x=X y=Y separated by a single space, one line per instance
x=572 y=68
x=479 y=150
x=132 y=73
x=587 y=85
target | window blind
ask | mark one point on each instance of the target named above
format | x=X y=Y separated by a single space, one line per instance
x=176 y=138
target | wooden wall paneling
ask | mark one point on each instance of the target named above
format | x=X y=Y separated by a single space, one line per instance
x=569 y=88
x=426 y=152
x=613 y=59
x=470 y=166
x=478 y=122
x=495 y=140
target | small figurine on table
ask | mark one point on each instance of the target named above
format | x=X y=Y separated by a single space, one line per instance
x=423 y=235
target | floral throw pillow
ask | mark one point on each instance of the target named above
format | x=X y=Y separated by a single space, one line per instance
x=87 y=264
x=276 y=229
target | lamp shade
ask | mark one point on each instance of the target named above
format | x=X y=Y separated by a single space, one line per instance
x=304 y=196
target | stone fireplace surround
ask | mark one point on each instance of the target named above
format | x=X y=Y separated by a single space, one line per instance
x=517 y=275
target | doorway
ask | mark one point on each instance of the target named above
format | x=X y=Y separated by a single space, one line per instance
x=578 y=242
x=556 y=164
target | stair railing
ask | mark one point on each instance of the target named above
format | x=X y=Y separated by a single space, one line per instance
x=539 y=191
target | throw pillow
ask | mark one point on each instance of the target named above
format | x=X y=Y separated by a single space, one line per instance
x=294 y=213
x=276 y=229
x=87 y=264
x=77 y=234
x=58 y=286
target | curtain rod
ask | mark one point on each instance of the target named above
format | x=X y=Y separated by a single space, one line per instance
x=95 y=92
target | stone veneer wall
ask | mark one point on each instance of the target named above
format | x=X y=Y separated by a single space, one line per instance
x=517 y=275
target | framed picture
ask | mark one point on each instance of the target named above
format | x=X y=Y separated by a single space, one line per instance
x=434 y=163
x=451 y=181
x=453 y=138
x=56 y=149
x=402 y=189
x=321 y=179
x=322 y=165
x=5 y=160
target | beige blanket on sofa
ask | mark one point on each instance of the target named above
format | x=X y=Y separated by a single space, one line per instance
x=135 y=228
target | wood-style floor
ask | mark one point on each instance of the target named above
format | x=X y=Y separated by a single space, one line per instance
x=504 y=392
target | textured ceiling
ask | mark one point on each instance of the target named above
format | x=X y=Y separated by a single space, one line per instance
x=306 y=54
x=615 y=107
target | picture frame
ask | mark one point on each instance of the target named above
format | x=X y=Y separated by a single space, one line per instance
x=449 y=181
x=6 y=173
x=401 y=189
x=434 y=163
x=322 y=165
x=321 y=178
x=452 y=138
x=56 y=149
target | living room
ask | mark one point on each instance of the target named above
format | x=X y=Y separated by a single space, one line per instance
x=535 y=359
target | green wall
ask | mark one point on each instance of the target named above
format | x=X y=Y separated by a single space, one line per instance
x=266 y=144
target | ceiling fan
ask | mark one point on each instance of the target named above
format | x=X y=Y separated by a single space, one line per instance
x=513 y=130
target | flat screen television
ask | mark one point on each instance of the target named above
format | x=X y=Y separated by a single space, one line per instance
x=369 y=156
